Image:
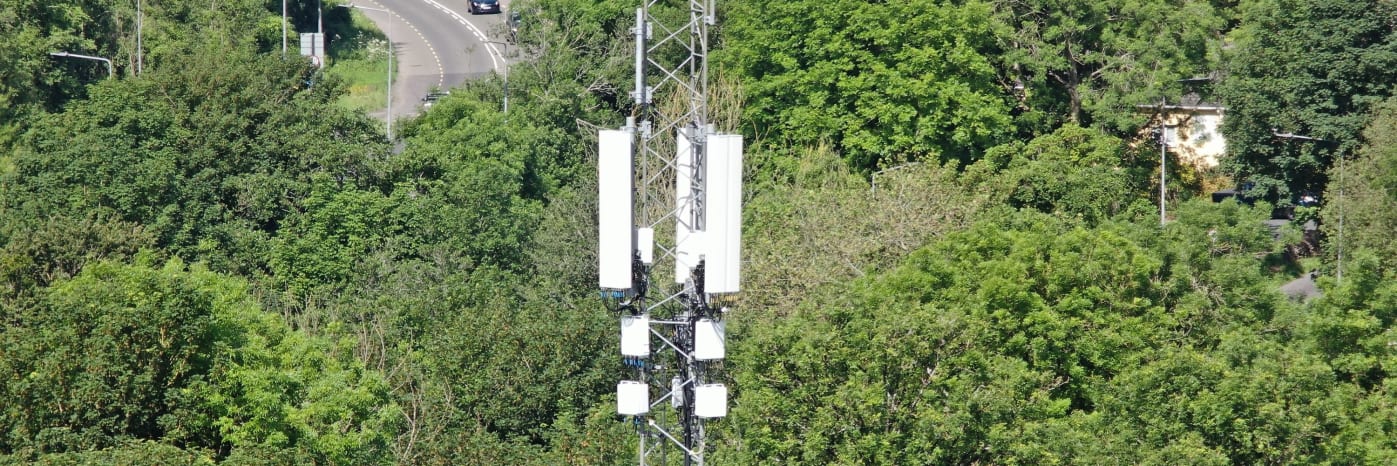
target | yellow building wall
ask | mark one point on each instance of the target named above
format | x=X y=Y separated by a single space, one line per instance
x=1197 y=138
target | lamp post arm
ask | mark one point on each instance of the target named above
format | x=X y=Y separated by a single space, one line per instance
x=86 y=57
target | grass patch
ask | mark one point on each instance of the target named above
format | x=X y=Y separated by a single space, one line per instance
x=359 y=57
x=1311 y=263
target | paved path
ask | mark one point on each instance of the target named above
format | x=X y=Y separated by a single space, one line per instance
x=439 y=45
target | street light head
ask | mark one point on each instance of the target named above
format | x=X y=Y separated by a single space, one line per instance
x=361 y=7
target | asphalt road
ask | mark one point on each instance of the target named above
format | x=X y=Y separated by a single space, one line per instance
x=439 y=45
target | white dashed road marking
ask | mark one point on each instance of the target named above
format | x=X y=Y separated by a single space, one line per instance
x=441 y=71
x=495 y=56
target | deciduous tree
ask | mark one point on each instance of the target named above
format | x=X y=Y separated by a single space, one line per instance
x=1311 y=68
x=1090 y=62
x=883 y=82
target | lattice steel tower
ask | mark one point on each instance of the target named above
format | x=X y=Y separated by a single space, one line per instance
x=668 y=183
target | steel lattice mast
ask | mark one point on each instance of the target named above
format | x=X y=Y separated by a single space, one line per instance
x=687 y=181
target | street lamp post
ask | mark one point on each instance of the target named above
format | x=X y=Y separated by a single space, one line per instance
x=1339 y=273
x=85 y=57
x=140 y=52
x=389 y=87
x=506 y=76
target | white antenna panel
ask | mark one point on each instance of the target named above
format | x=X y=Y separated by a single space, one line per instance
x=635 y=336
x=676 y=392
x=633 y=398
x=615 y=216
x=711 y=400
x=709 y=337
x=686 y=246
x=645 y=243
x=723 y=213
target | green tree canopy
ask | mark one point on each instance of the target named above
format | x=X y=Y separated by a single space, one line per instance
x=1027 y=339
x=129 y=352
x=208 y=153
x=1312 y=68
x=1074 y=171
x=884 y=82
x=1369 y=192
x=940 y=359
x=1090 y=62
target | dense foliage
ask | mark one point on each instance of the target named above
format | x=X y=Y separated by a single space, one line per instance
x=1091 y=62
x=131 y=352
x=1311 y=68
x=883 y=82
x=1364 y=191
x=952 y=248
x=1034 y=340
x=1073 y=171
x=209 y=153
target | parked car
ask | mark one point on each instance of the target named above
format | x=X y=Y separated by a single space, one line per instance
x=513 y=22
x=484 y=6
x=1281 y=211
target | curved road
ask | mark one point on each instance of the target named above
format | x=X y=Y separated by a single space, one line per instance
x=439 y=45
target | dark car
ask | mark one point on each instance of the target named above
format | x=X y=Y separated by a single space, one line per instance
x=1281 y=211
x=484 y=6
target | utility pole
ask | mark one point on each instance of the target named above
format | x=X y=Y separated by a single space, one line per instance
x=283 y=28
x=1163 y=151
x=1163 y=131
x=1163 y=159
x=685 y=215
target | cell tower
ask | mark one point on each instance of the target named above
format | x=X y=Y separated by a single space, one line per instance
x=668 y=183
